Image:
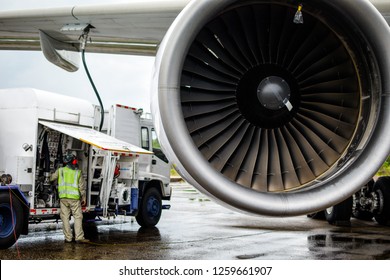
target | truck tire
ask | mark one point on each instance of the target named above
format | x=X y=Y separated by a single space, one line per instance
x=382 y=188
x=11 y=219
x=150 y=208
x=339 y=214
x=89 y=217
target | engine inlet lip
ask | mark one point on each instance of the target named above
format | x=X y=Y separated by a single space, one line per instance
x=365 y=19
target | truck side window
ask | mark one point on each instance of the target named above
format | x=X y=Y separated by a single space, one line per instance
x=145 y=138
x=157 y=148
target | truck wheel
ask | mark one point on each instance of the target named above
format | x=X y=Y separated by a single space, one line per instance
x=339 y=214
x=150 y=208
x=11 y=220
x=89 y=217
x=382 y=188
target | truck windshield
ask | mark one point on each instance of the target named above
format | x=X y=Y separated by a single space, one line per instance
x=157 y=148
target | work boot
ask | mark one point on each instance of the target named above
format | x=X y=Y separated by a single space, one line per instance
x=82 y=241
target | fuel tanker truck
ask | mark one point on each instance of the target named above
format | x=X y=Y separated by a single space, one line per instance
x=38 y=128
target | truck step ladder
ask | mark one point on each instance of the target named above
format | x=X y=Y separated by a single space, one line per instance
x=95 y=177
x=102 y=167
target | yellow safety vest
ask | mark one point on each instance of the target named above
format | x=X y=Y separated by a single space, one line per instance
x=68 y=186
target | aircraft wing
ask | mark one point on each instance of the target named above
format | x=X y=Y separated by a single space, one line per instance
x=136 y=27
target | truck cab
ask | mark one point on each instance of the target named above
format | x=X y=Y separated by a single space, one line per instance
x=132 y=125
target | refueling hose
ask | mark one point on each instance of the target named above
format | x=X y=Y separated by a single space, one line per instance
x=94 y=88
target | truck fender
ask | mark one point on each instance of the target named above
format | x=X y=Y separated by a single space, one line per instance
x=144 y=185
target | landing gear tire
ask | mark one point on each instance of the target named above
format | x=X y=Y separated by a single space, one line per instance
x=339 y=214
x=150 y=209
x=362 y=215
x=360 y=210
x=317 y=215
x=382 y=189
x=11 y=219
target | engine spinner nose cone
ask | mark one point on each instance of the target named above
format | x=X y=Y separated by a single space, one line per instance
x=268 y=96
x=274 y=93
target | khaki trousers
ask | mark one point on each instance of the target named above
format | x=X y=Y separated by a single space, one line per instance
x=72 y=207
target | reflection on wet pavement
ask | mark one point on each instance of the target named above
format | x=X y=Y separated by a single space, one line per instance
x=197 y=228
x=334 y=246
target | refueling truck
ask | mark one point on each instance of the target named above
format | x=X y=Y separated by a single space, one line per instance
x=37 y=128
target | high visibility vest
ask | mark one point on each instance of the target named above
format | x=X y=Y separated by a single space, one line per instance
x=68 y=186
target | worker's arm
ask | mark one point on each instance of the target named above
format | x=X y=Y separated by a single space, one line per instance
x=54 y=176
x=82 y=189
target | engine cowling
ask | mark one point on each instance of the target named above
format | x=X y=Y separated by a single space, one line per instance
x=270 y=116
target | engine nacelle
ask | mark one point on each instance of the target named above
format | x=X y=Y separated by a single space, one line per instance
x=271 y=116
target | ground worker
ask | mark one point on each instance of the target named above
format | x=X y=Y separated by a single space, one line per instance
x=72 y=194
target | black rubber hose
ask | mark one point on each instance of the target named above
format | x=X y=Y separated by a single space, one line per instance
x=46 y=154
x=59 y=158
x=95 y=90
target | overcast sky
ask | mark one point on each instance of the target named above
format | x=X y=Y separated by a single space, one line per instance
x=120 y=79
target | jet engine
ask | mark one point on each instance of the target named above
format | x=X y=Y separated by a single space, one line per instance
x=275 y=107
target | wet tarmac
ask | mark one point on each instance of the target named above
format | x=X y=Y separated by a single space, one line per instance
x=196 y=228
